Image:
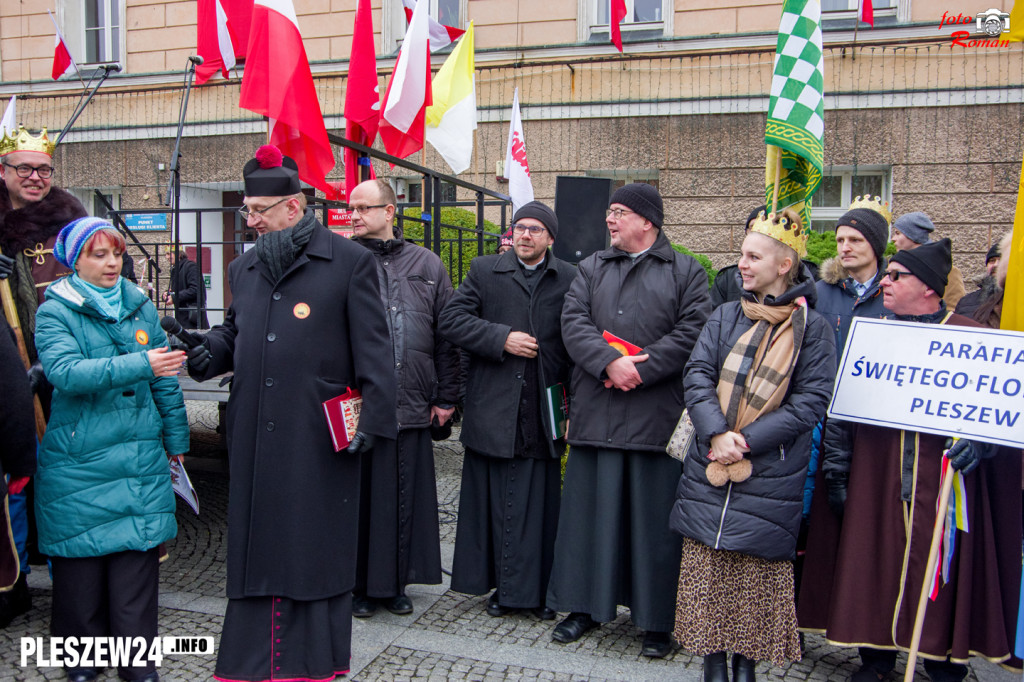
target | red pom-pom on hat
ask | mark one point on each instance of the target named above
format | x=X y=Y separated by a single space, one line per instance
x=269 y=156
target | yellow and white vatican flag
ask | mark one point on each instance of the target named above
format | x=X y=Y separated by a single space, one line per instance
x=451 y=119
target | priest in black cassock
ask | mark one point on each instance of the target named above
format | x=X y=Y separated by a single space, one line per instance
x=305 y=325
x=506 y=316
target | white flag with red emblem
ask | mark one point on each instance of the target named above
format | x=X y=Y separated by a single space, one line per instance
x=63 y=64
x=517 y=168
x=278 y=84
x=441 y=36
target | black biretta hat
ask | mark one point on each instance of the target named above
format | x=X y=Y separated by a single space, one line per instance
x=271 y=174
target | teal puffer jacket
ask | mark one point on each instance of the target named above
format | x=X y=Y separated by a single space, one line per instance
x=103 y=483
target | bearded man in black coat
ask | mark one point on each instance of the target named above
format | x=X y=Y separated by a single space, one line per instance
x=506 y=315
x=305 y=325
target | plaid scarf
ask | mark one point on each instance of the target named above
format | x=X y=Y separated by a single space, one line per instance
x=757 y=371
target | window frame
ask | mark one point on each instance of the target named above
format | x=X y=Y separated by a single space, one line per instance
x=833 y=213
x=900 y=9
x=588 y=27
x=71 y=13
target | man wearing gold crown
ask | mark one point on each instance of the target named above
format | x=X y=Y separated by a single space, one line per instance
x=32 y=213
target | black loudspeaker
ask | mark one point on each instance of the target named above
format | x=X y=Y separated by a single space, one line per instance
x=580 y=204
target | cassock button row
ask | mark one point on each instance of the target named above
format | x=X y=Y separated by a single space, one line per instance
x=620 y=312
x=271 y=337
x=277 y=296
x=270 y=427
x=269 y=381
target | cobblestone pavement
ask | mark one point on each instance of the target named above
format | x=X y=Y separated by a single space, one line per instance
x=449 y=637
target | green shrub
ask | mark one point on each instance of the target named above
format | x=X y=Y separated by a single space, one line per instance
x=822 y=245
x=451 y=219
x=704 y=261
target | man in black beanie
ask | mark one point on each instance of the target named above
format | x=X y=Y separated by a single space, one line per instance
x=910 y=231
x=613 y=545
x=849 y=284
x=305 y=325
x=889 y=513
x=506 y=315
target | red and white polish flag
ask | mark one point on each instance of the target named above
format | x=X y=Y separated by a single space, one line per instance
x=63 y=64
x=441 y=36
x=408 y=95
x=215 y=40
x=362 y=93
x=616 y=13
x=867 y=12
x=278 y=84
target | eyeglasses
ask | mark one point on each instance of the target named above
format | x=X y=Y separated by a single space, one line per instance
x=618 y=212
x=534 y=230
x=895 y=275
x=246 y=213
x=365 y=209
x=25 y=171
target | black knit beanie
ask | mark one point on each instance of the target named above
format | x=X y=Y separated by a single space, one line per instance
x=929 y=262
x=754 y=214
x=538 y=211
x=869 y=223
x=993 y=252
x=642 y=199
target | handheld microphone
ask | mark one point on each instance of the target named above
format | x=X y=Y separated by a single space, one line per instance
x=174 y=328
x=196 y=59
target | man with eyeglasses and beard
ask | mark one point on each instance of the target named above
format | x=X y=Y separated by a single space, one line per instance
x=32 y=214
x=888 y=506
x=506 y=316
x=305 y=325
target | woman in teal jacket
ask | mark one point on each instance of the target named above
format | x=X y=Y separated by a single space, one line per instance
x=103 y=489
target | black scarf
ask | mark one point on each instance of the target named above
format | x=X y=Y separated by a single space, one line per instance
x=278 y=250
x=928 y=318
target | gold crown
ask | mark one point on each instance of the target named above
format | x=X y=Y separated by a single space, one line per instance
x=785 y=228
x=875 y=204
x=24 y=141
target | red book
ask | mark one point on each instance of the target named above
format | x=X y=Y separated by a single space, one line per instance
x=621 y=345
x=342 y=414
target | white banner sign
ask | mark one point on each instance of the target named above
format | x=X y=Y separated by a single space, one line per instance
x=956 y=381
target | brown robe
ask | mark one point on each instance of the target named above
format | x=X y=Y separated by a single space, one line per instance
x=862 y=578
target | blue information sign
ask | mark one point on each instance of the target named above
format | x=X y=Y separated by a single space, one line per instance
x=146 y=222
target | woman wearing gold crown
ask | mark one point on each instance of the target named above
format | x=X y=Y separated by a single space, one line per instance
x=758 y=380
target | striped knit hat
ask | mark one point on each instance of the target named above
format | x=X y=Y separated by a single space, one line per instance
x=74 y=236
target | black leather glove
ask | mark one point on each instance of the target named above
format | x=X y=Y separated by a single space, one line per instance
x=835 y=488
x=199 y=358
x=36 y=377
x=6 y=266
x=361 y=442
x=965 y=455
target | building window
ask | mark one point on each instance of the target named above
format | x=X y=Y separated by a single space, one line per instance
x=644 y=18
x=888 y=11
x=94 y=30
x=841 y=185
x=446 y=12
x=410 y=191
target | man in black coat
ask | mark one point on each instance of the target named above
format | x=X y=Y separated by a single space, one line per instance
x=186 y=291
x=305 y=325
x=614 y=545
x=18 y=460
x=505 y=315
x=399 y=538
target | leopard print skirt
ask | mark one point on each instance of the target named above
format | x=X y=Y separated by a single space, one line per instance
x=736 y=602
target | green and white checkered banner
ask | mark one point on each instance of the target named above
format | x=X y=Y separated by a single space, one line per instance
x=796 y=111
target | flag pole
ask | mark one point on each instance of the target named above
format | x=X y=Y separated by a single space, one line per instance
x=929 y=572
x=778 y=172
